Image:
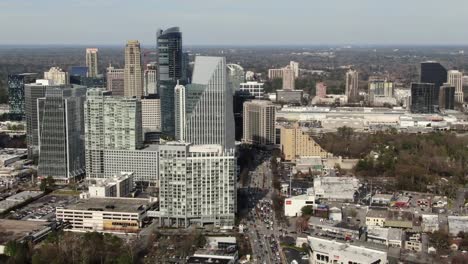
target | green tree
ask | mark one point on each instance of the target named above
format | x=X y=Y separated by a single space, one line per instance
x=307 y=210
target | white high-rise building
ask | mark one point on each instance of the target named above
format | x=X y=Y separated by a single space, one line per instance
x=259 y=122
x=352 y=85
x=295 y=67
x=111 y=123
x=133 y=79
x=208 y=106
x=179 y=108
x=57 y=76
x=455 y=78
x=92 y=61
x=150 y=79
x=197 y=185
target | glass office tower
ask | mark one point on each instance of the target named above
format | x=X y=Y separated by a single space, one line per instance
x=170 y=70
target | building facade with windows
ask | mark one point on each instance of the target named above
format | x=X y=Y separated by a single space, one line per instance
x=60 y=132
x=133 y=70
x=197 y=185
x=259 y=122
x=16 y=98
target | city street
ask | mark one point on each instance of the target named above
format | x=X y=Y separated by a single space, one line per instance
x=263 y=228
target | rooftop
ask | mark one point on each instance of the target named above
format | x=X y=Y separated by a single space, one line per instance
x=125 y=205
x=364 y=252
x=377 y=213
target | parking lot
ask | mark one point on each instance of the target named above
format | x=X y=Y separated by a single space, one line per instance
x=42 y=209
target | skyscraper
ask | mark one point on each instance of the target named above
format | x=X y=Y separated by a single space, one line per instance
x=92 y=62
x=295 y=68
x=259 y=122
x=424 y=98
x=288 y=79
x=352 y=85
x=379 y=88
x=447 y=96
x=209 y=111
x=133 y=72
x=170 y=55
x=180 y=112
x=61 y=132
x=170 y=60
x=115 y=81
x=455 y=78
x=433 y=72
x=16 y=84
x=57 y=76
x=238 y=104
x=150 y=79
x=321 y=90
x=197 y=185
x=111 y=123
x=32 y=92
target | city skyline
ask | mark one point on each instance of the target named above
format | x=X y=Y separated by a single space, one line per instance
x=236 y=22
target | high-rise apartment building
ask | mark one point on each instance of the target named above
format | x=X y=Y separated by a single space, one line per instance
x=111 y=123
x=275 y=74
x=60 y=132
x=236 y=76
x=115 y=81
x=151 y=113
x=16 y=99
x=433 y=72
x=321 y=90
x=209 y=111
x=150 y=79
x=455 y=78
x=297 y=142
x=447 y=96
x=92 y=62
x=288 y=79
x=259 y=122
x=294 y=66
x=32 y=92
x=424 y=98
x=352 y=86
x=57 y=76
x=133 y=70
x=170 y=70
x=240 y=97
x=197 y=185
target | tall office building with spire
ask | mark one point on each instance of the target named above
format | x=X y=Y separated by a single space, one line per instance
x=92 y=62
x=209 y=116
x=455 y=78
x=133 y=70
x=170 y=70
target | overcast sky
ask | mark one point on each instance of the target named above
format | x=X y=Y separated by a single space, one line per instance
x=235 y=22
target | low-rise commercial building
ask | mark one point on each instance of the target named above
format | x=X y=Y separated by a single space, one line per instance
x=331 y=251
x=340 y=189
x=294 y=204
x=391 y=237
x=112 y=215
x=376 y=217
x=457 y=224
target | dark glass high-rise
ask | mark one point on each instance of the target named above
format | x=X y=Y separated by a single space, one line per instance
x=170 y=70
